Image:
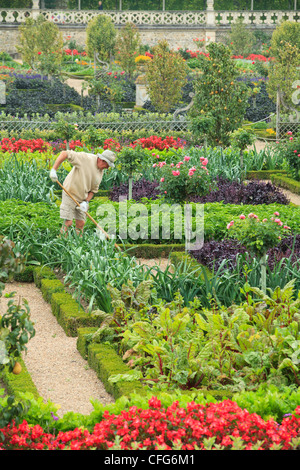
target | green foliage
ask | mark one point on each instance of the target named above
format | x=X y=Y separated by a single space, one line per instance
x=289 y=147
x=219 y=95
x=166 y=74
x=241 y=38
x=12 y=410
x=24 y=181
x=258 y=236
x=180 y=181
x=94 y=137
x=101 y=36
x=284 y=74
x=16 y=329
x=65 y=129
x=125 y=303
x=241 y=138
x=288 y=32
x=41 y=45
x=127 y=47
x=130 y=158
x=9 y=262
x=218 y=348
x=200 y=127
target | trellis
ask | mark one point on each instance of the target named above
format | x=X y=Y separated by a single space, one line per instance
x=292 y=124
x=154 y=126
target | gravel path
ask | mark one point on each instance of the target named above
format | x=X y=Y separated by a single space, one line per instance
x=59 y=372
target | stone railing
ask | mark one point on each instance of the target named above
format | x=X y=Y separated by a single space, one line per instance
x=256 y=17
x=152 y=18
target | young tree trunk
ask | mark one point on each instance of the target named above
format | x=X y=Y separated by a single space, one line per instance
x=263 y=267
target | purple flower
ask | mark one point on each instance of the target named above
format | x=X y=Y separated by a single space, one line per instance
x=56 y=418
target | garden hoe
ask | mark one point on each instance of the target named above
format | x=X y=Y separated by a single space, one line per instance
x=88 y=215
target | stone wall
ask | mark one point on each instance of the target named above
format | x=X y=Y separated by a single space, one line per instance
x=177 y=36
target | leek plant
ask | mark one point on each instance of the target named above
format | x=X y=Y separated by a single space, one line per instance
x=23 y=180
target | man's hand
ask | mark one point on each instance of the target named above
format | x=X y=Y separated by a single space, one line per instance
x=84 y=206
x=53 y=175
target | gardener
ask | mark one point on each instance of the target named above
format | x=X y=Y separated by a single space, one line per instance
x=82 y=183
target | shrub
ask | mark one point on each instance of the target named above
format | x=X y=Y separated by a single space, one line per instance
x=182 y=181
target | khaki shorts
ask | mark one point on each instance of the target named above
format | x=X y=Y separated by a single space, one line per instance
x=69 y=210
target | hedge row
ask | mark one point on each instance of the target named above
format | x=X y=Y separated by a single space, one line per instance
x=102 y=358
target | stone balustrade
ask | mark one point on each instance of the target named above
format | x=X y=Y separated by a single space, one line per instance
x=153 y=18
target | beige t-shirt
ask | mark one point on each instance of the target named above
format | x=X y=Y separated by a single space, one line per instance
x=84 y=177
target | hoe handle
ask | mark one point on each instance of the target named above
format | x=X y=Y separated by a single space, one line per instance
x=88 y=215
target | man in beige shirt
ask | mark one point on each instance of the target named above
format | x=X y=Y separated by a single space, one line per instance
x=82 y=183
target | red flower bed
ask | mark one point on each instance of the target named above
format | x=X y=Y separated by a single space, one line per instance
x=253 y=57
x=112 y=145
x=74 y=52
x=164 y=428
x=22 y=145
x=155 y=142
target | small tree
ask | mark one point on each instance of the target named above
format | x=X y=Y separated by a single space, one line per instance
x=241 y=38
x=41 y=45
x=130 y=159
x=66 y=130
x=166 y=74
x=101 y=38
x=127 y=46
x=283 y=73
x=240 y=139
x=219 y=95
x=287 y=32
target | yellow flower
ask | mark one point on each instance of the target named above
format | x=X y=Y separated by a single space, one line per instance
x=141 y=59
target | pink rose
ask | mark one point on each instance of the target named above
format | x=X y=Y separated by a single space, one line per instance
x=204 y=162
x=265 y=220
x=162 y=180
x=172 y=164
x=186 y=158
x=242 y=216
x=176 y=173
x=276 y=213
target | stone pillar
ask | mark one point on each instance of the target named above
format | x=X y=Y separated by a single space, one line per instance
x=141 y=95
x=210 y=33
x=2 y=92
x=35 y=8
